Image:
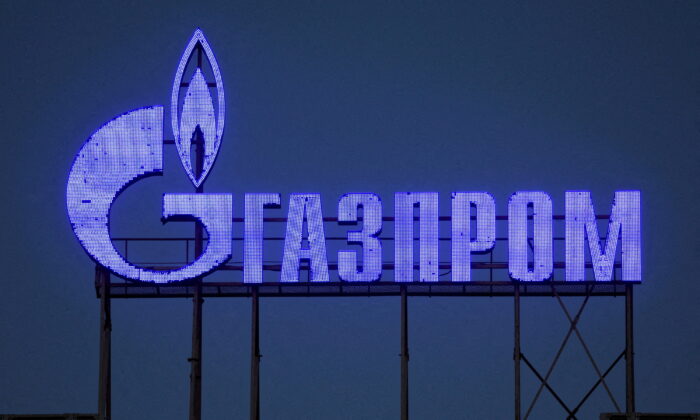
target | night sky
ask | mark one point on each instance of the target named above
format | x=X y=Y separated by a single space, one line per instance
x=337 y=97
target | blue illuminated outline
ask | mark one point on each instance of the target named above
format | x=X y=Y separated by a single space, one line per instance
x=199 y=112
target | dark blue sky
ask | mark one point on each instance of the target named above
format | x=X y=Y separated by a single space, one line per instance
x=354 y=96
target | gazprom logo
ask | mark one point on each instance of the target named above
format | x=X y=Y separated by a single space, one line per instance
x=130 y=148
x=197 y=109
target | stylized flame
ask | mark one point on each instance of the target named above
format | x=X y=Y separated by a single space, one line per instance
x=198 y=109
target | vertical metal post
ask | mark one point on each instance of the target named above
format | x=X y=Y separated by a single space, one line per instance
x=629 y=351
x=104 y=399
x=255 y=359
x=404 y=354
x=196 y=358
x=516 y=348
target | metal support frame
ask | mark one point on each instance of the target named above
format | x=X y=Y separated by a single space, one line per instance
x=516 y=349
x=198 y=289
x=404 y=354
x=629 y=352
x=196 y=358
x=557 y=290
x=573 y=329
x=104 y=397
x=105 y=289
x=255 y=358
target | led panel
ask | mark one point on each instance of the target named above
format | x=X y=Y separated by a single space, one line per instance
x=348 y=268
x=305 y=207
x=581 y=223
x=253 y=239
x=198 y=109
x=541 y=244
x=427 y=202
x=485 y=235
x=126 y=149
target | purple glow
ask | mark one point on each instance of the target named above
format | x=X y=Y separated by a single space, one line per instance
x=518 y=261
x=198 y=109
x=404 y=203
x=305 y=207
x=485 y=237
x=581 y=223
x=253 y=239
x=126 y=149
x=371 y=204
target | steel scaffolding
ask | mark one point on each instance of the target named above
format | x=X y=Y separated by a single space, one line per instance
x=107 y=289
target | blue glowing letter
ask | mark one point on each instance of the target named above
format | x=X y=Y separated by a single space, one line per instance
x=253 y=239
x=518 y=239
x=580 y=222
x=404 y=202
x=485 y=237
x=126 y=149
x=367 y=237
x=305 y=207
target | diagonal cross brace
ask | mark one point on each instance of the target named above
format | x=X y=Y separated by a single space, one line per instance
x=549 y=388
x=556 y=357
x=585 y=347
x=598 y=382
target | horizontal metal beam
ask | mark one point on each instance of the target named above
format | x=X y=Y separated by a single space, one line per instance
x=393 y=219
x=126 y=290
x=333 y=266
x=282 y=238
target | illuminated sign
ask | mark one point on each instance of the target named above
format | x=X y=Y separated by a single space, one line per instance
x=130 y=148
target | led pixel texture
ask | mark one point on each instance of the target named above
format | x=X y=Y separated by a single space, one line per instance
x=371 y=205
x=305 y=207
x=518 y=261
x=581 y=223
x=129 y=148
x=485 y=235
x=126 y=149
x=198 y=109
x=404 y=203
x=253 y=238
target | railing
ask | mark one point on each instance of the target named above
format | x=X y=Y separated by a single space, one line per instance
x=275 y=265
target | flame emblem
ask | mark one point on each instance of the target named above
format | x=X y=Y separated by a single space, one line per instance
x=193 y=116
